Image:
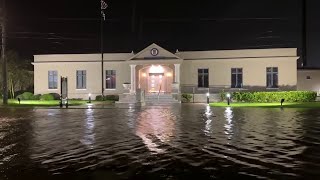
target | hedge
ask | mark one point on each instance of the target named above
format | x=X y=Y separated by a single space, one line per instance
x=107 y=97
x=46 y=97
x=270 y=97
x=26 y=96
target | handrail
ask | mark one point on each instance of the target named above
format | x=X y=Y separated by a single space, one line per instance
x=159 y=92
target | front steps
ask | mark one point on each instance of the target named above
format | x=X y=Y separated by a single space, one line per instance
x=161 y=99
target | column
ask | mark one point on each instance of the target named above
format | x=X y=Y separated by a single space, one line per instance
x=177 y=73
x=133 y=78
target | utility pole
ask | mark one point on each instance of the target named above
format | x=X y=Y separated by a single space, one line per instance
x=3 y=56
x=304 y=33
x=103 y=7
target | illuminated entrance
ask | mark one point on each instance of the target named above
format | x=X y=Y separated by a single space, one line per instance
x=156 y=79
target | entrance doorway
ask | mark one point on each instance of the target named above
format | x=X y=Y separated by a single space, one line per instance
x=156 y=79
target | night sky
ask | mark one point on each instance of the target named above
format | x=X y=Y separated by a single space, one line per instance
x=73 y=26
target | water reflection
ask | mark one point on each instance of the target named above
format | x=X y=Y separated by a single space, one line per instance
x=208 y=119
x=228 y=114
x=173 y=143
x=155 y=128
x=89 y=134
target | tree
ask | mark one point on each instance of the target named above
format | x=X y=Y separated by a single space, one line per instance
x=19 y=78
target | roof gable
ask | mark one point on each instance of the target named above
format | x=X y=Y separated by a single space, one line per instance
x=152 y=52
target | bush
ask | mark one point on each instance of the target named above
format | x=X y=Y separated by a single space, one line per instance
x=107 y=97
x=112 y=97
x=46 y=97
x=26 y=96
x=36 y=97
x=186 y=97
x=56 y=96
x=270 y=97
x=99 y=98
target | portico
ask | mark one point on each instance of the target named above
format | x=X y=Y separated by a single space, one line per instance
x=155 y=70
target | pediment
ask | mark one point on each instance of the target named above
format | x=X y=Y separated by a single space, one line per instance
x=154 y=52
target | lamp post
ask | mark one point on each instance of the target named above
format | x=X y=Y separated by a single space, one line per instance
x=228 y=98
x=208 y=94
x=89 y=97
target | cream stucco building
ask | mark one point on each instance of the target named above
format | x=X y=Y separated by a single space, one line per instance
x=156 y=70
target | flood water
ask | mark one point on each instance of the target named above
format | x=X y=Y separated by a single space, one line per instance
x=188 y=141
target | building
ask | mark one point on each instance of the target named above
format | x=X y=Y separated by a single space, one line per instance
x=156 y=70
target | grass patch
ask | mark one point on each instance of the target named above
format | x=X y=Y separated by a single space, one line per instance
x=269 y=105
x=50 y=103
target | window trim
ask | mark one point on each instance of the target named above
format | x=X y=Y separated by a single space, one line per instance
x=85 y=88
x=53 y=88
x=237 y=73
x=272 y=73
x=203 y=78
x=115 y=74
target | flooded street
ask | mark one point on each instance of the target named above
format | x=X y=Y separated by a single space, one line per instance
x=180 y=142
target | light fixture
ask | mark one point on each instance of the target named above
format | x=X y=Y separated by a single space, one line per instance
x=208 y=94
x=169 y=74
x=89 y=97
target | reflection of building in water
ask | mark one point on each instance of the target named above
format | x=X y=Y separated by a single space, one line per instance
x=155 y=127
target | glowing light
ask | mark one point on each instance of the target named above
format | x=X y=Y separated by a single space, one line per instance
x=228 y=95
x=156 y=69
x=144 y=75
x=89 y=94
x=169 y=74
x=208 y=94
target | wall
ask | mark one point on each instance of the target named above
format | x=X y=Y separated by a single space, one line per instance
x=312 y=84
x=68 y=69
x=254 y=72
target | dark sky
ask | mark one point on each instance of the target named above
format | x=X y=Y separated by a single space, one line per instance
x=73 y=26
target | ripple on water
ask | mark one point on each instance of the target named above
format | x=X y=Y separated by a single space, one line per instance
x=161 y=142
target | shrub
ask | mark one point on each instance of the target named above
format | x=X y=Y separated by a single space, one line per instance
x=112 y=97
x=36 y=97
x=222 y=95
x=26 y=96
x=56 y=96
x=186 y=97
x=269 y=97
x=99 y=98
x=46 y=97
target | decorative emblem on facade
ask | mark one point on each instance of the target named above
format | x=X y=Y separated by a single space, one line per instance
x=154 y=51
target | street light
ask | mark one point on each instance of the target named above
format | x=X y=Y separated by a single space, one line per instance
x=228 y=98
x=208 y=94
x=89 y=97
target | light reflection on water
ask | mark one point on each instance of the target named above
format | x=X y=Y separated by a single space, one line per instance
x=168 y=142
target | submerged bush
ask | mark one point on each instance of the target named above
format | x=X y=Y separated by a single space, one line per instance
x=270 y=97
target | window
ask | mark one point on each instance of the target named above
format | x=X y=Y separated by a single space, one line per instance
x=81 y=79
x=272 y=77
x=110 y=79
x=236 y=78
x=53 y=79
x=203 y=78
x=308 y=78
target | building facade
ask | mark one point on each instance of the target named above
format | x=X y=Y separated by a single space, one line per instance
x=156 y=70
